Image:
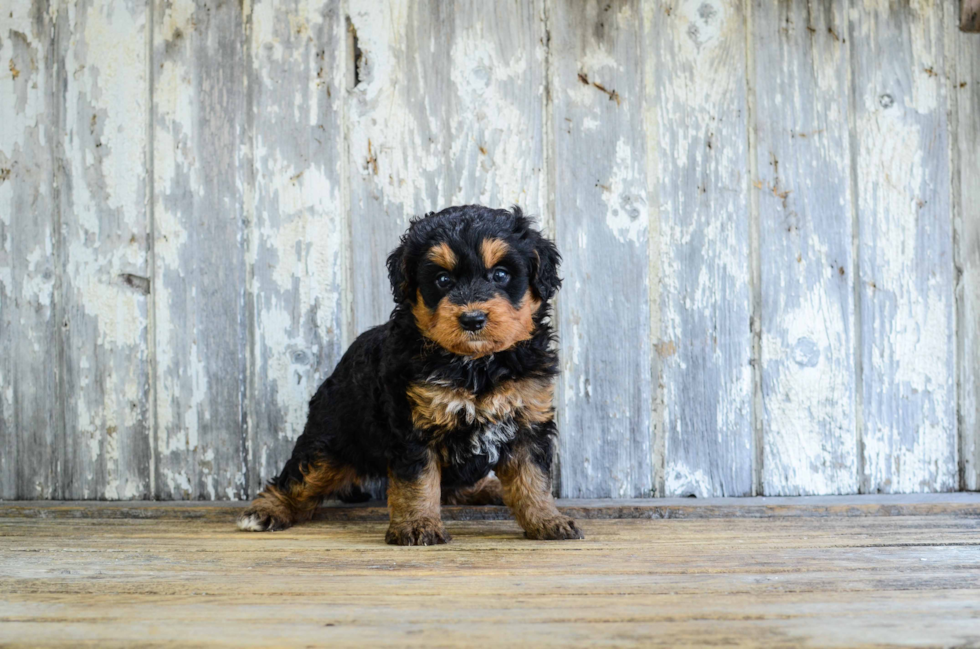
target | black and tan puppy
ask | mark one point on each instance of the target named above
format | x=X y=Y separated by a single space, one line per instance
x=457 y=383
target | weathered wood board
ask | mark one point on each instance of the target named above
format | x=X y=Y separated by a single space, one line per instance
x=104 y=252
x=705 y=339
x=602 y=228
x=32 y=434
x=803 y=193
x=398 y=144
x=963 y=59
x=905 y=248
x=200 y=170
x=298 y=230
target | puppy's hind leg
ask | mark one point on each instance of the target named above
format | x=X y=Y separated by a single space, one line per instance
x=293 y=496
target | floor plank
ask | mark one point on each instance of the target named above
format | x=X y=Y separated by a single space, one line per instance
x=830 y=581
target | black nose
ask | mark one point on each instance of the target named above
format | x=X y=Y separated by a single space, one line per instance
x=473 y=320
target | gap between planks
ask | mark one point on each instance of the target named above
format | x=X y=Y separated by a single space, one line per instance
x=958 y=504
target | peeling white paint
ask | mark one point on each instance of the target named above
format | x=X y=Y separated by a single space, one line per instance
x=906 y=271
x=704 y=256
x=626 y=212
x=455 y=111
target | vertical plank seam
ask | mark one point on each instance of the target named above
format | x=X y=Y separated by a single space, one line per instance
x=347 y=225
x=249 y=386
x=755 y=259
x=151 y=308
x=652 y=135
x=549 y=218
x=59 y=87
x=863 y=483
x=955 y=211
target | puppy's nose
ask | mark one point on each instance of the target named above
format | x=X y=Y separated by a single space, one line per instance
x=473 y=320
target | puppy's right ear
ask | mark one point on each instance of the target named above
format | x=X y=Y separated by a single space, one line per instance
x=544 y=266
x=398 y=273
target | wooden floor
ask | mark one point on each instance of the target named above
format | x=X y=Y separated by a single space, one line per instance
x=838 y=580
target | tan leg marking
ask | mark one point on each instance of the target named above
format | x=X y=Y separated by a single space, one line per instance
x=527 y=491
x=276 y=509
x=414 y=508
x=485 y=492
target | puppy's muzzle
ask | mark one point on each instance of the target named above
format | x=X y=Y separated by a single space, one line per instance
x=473 y=320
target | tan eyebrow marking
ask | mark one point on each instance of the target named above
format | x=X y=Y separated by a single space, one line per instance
x=443 y=255
x=492 y=251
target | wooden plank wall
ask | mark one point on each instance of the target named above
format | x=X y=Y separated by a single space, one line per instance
x=602 y=227
x=705 y=342
x=768 y=213
x=802 y=184
x=905 y=257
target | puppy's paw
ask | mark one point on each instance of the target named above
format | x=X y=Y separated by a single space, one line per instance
x=258 y=521
x=559 y=528
x=424 y=531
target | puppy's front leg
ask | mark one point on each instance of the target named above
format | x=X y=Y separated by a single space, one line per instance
x=413 y=503
x=527 y=491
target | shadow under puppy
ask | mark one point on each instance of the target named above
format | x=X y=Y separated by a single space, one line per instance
x=457 y=383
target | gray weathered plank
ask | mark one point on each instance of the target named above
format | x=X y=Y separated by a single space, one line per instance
x=398 y=109
x=705 y=340
x=199 y=249
x=963 y=57
x=31 y=424
x=906 y=260
x=445 y=109
x=803 y=185
x=298 y=238
x=105 y=227
x=602 y=227
x=495 y=139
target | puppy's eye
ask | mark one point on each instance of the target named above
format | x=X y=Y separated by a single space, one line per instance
x=444 y=281
x=500 y=276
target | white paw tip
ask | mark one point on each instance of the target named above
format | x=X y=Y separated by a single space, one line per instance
x=250 y=523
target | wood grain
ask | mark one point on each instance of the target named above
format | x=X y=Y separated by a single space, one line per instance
x=298 y=230
x=32 y=433
x=803 y=187
x=602 y=232
x=963 y=57
x=773 y=582
x=199 y=176
x=105 y=228
x=905 y=256
x=705 y=342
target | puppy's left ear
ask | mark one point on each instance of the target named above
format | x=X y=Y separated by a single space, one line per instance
x=544 y=266
x=398 y=273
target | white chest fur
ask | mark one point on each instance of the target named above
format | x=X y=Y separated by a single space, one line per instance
x=491 y=418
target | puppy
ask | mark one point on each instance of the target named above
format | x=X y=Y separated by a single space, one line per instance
x=457 y=383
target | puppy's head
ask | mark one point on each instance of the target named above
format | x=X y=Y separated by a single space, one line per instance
x=474 y=278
